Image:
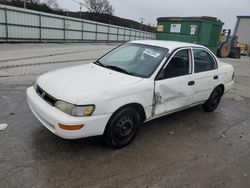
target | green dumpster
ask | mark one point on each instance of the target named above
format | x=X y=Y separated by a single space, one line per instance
x=200 y=30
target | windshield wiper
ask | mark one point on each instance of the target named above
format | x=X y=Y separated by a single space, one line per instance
x=99 y=63
x=113 y=68
x=119 y=69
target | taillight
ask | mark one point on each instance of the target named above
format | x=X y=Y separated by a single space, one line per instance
x=233 y=76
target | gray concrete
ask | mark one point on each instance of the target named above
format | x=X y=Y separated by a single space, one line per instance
x=186 y=149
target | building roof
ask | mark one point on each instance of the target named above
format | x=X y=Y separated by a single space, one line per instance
x=243 y=16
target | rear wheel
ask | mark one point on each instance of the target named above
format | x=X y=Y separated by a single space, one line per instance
x=122 y=128
x=214 y=100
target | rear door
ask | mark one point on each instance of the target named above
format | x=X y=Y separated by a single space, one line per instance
x=174 y=85
x=205 y=73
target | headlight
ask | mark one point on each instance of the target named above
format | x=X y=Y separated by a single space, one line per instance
x=65 y=107
x=86 y=110
x=35 y=84
x=83 y=110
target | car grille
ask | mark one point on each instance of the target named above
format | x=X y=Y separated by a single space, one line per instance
x=48 y=98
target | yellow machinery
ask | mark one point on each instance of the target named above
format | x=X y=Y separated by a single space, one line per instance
x=243 y=49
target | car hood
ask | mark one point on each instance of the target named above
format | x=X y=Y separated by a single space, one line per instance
x=77 y=83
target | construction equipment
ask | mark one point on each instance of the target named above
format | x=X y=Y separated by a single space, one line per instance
x=224 y=44
x=243 y=49
x=228 y=45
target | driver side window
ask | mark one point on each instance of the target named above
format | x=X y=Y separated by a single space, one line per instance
x=179 y=65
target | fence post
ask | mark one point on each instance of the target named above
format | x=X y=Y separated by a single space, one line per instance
x=82 y=30
x=6 y=24
x=96 y=32
x=129 y=38
x=124 y=34
x=117 y=34
x=108 y=33
x=40 y=28
x=64 y=29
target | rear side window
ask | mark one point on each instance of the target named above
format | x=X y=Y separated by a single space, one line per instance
x=203 y=61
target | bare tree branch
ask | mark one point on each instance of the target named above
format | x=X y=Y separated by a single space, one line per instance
x=51 y=3
x=99 y=6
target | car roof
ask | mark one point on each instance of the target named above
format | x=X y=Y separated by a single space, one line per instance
x=171 y=45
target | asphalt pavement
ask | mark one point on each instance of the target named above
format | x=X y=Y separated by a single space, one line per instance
x=190 y=148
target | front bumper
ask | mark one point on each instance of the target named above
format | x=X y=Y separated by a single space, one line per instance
x=50 y=117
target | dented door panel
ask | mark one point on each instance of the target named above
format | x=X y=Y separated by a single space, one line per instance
x=172 y=94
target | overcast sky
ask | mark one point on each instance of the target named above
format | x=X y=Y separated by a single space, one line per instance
x=225 y=10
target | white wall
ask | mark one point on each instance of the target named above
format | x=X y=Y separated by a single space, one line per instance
x=28 y=25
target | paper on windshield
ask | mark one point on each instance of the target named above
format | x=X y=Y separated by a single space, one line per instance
x=151 y=53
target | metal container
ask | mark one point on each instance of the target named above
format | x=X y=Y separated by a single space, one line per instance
x=200 y=30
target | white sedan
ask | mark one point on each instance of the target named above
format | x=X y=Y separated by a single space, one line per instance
x=134 y=83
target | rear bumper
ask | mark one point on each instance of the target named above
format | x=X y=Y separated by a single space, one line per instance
x=229 y=86
x=50 y=117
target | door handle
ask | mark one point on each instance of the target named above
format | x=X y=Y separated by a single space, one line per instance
x=216 y=77
x=191 y=83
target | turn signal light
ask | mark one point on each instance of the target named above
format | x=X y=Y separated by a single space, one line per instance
x=71 y=127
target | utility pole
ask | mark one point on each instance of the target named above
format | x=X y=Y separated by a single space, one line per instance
x=141 y=23
x=80 y=10
x=81 y=4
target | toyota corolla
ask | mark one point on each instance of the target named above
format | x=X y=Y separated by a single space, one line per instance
x=134 y=83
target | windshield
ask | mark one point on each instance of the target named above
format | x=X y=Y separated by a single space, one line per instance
x=134 y=59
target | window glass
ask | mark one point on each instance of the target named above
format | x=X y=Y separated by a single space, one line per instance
x=135 y=59
x=122 y=55
x=179 y=65
x=203 y=61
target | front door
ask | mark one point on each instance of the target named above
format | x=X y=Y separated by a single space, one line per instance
x=174 y=86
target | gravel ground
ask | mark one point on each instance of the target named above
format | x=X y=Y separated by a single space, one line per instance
x=190 y=148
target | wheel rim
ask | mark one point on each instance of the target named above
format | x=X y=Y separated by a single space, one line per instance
x=226 y=49
x=124 y=130
x=124 y=127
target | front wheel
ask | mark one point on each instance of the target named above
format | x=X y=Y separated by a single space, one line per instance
x=213 y=101
x=224 y=50
x=122 y=128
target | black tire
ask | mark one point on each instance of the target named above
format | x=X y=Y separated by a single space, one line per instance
x=235 y=53
x=122 y=128
x=213 y=101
